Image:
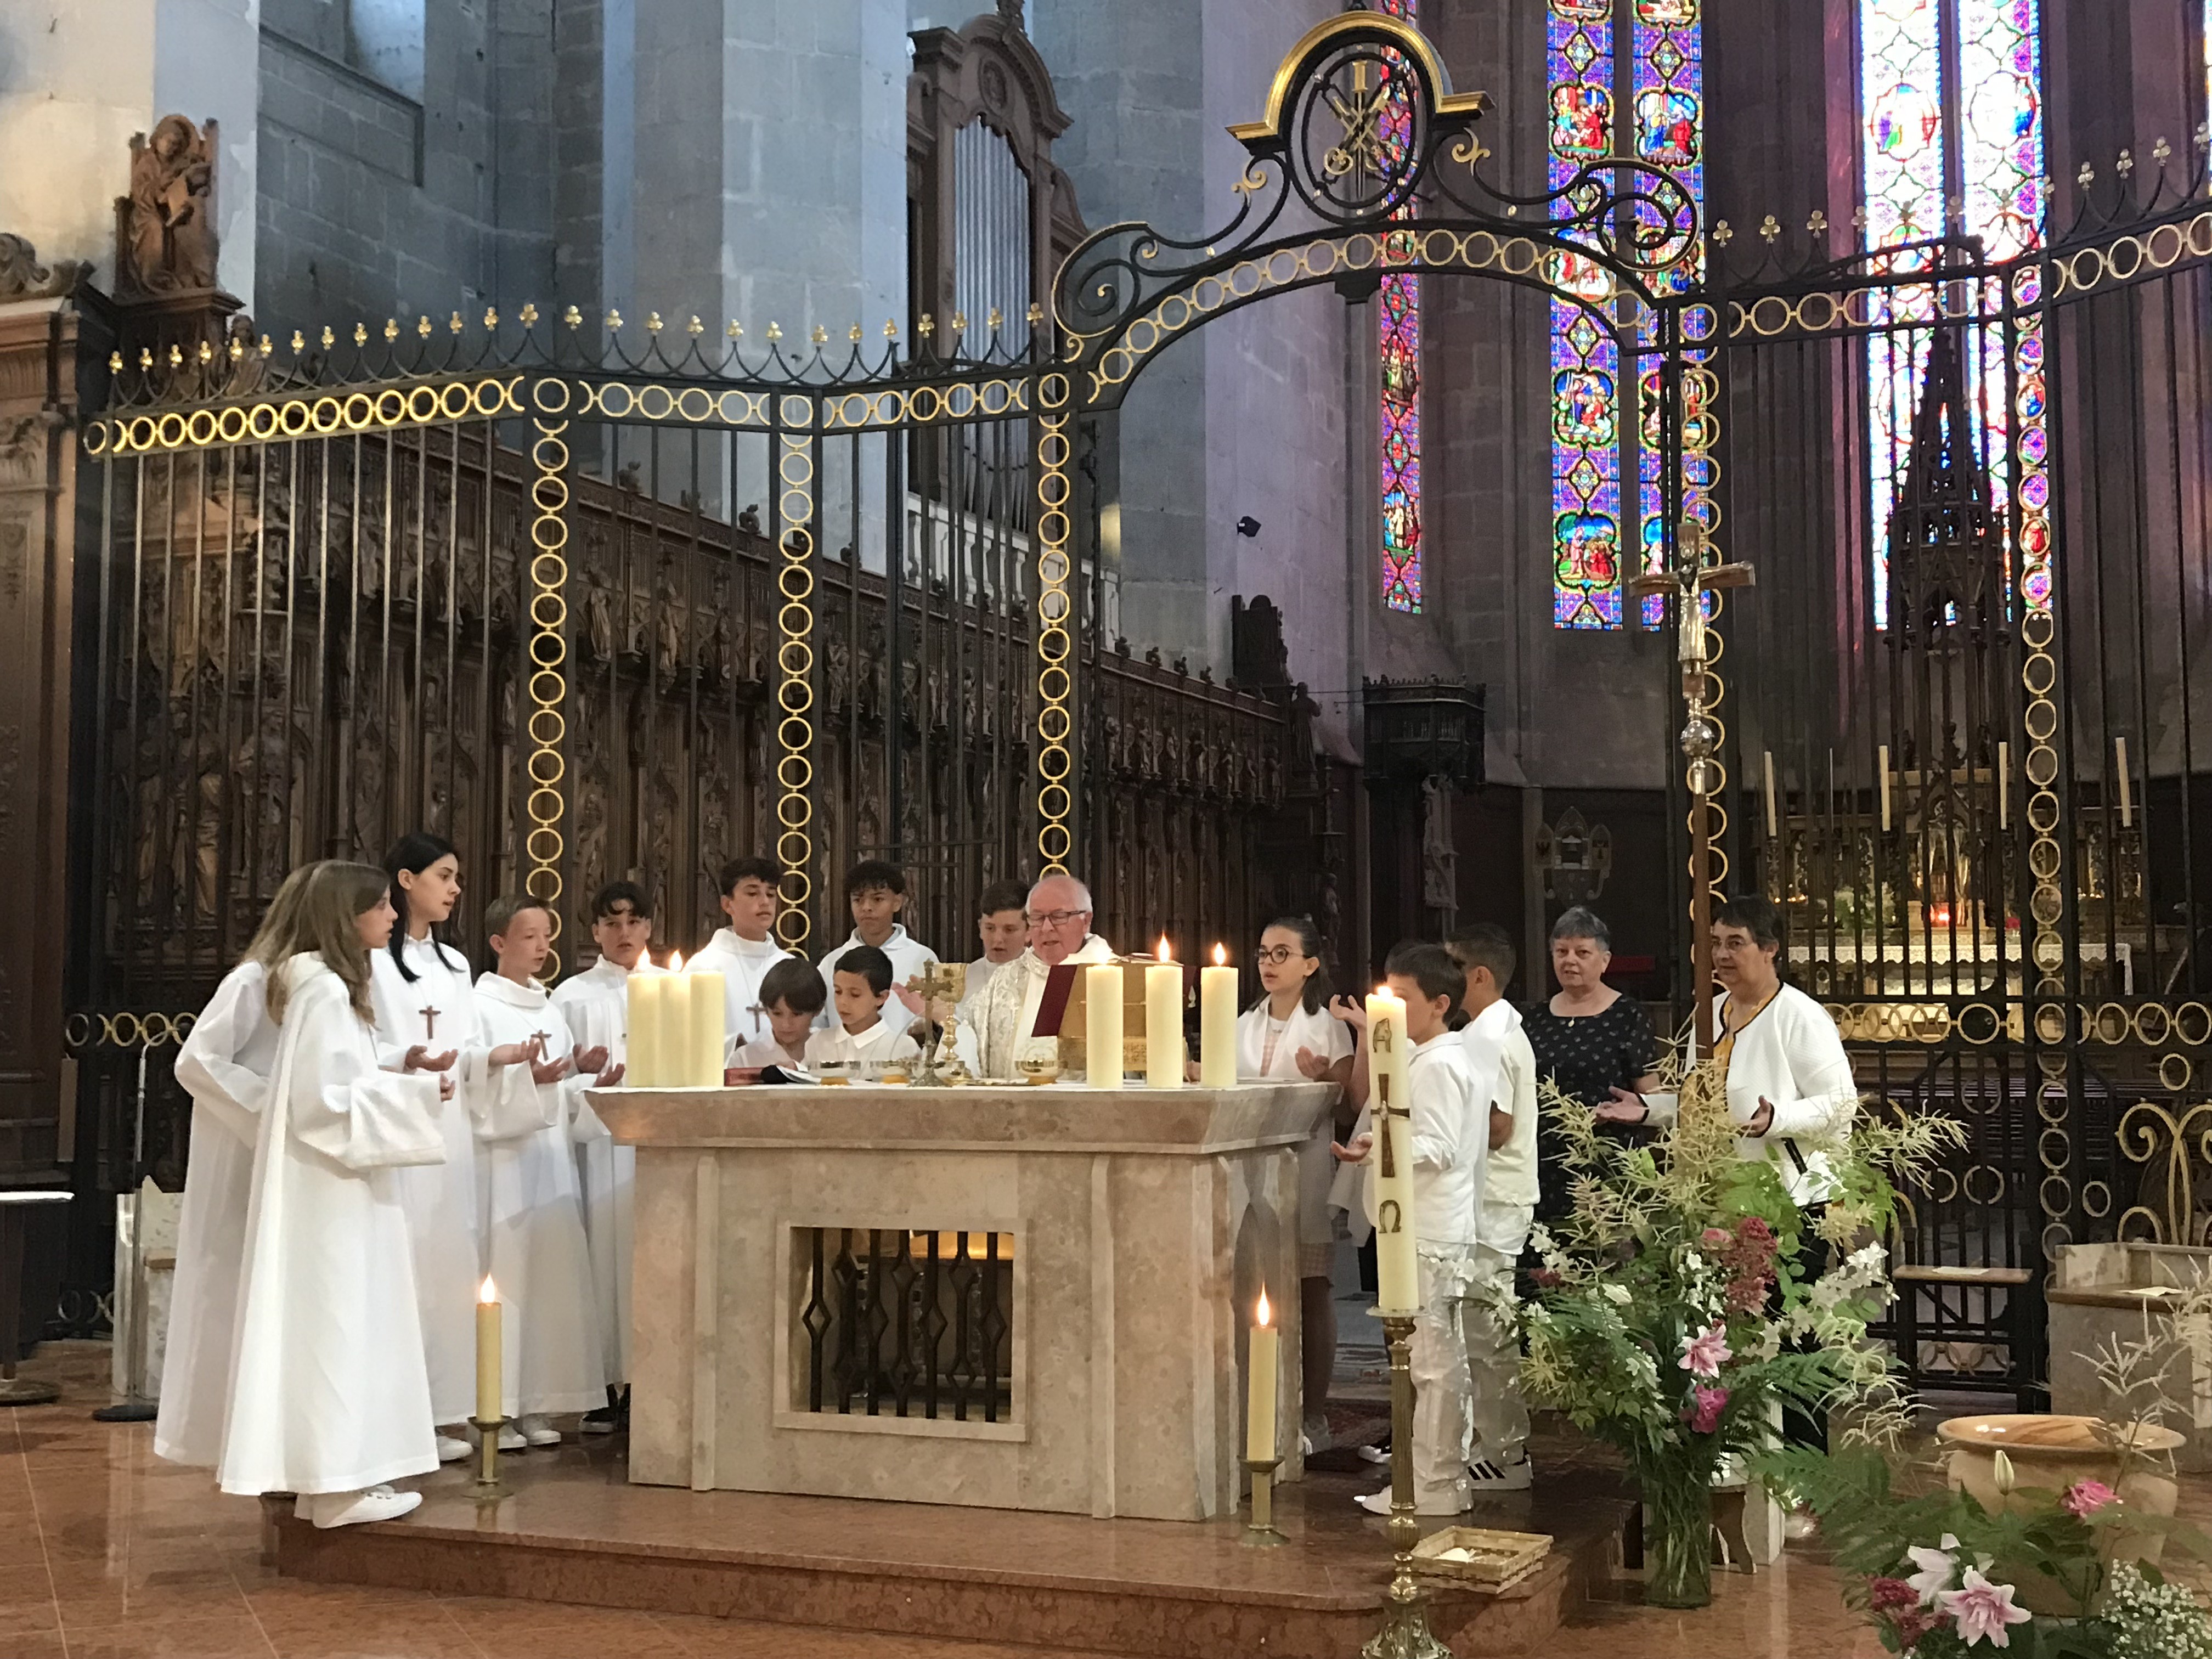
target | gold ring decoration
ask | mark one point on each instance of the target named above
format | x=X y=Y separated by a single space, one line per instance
x=224 y=426
x=125 y=1029
x=794 y=687
x=546 y=766
x=1055 y=640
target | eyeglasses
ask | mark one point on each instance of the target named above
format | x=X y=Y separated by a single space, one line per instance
x=1053 y=918
x=1278 y=956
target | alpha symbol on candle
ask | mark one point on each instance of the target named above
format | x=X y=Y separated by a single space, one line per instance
x=1385 y=1041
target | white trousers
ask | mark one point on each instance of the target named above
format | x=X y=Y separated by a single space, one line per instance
x=1437 y=1358
x=1499 y=1415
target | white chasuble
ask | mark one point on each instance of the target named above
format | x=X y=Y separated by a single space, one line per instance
x=329 y=1392
x=554 y=1352
x=595 y=1003
x=743 y=963
x=437 y=1008
x=1000 y=1026
x=224 y=1065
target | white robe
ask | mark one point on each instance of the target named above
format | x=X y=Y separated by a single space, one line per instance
x=1330 y=1038
x=743 y=963
x=908 y=957
x=596 y=1005
x=885 y=1041
x=997 y=1027
x=554 y=1351
x=329 y=1391
x=442 y=1203
x=224 y=1065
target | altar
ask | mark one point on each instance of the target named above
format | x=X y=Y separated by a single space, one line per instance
x=1026 y=1297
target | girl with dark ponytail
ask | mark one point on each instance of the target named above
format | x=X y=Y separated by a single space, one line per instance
x=426 y=884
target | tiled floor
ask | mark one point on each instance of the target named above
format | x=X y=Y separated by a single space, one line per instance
x=105 y=1552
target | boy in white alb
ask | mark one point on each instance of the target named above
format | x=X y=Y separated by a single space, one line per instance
x=595 y=1005
x=1448 y=1172
x=742 y=953
x=875 y=891
x=794 y=995
x=862 y=1035
x=1504 y=1070
x=1002 y=927
x=553 y=1353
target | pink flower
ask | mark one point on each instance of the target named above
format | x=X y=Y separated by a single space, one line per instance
x=1703 y=1354
x=1891 y=1596
x=1716 y=1239
x=2085 y=1497
x=1705 y=1416
x=1547 y=1277
x=1984 y=1610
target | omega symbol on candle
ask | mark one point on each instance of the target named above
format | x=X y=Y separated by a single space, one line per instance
x=1386 y=1216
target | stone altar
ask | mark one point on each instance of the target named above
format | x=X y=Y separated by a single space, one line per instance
x=1067 y=1275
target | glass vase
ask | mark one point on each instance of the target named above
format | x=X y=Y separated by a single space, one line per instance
x=1678 y=1538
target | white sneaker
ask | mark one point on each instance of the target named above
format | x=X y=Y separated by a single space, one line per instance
x=1378 y=1454
x=510 y=1437
x=1378 y=1502
x=350 y=1509
x=450 y=1450
x=1486 y=1476
x=537 y=1431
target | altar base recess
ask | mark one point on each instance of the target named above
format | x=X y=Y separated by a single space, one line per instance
x=1014 y=1297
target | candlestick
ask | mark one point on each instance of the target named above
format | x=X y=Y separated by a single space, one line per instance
x=1101 y=1024
x=491 y=1378
x=1397 y=1273
x=1217 y=1023
x=1163 y=1021
x=1263 y=1363
x=1260 y=1532
x=709 y=1014
x=1405 y=1633
x=673 y=1070
x=649 y=995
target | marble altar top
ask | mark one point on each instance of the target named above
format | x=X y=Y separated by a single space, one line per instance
x=1032 y=1119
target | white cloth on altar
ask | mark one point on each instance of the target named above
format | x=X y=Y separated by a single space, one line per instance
x=438 y=1011
x=887 y=1040
x=998 y=1027
x=596 y=1005
x=330 y=1392
x=555 y=1352
x=224 y=1065
x=908 y=957
x=743 y=963
x=1329 y=1037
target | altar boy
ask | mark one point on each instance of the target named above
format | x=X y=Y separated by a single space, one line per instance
x=860 y=985
x=745 y=950
x=792 y=995
x=875 y=892
x=1448 y=1155
x=554 y=1354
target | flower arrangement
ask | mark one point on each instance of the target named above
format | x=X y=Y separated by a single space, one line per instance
x=1674 y=1310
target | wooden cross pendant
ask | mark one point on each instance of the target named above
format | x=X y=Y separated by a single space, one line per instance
x=429 y=1022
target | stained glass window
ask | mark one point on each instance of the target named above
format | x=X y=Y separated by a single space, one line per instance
x=1399 y=338
x=1660 y=85
x=1980 y=62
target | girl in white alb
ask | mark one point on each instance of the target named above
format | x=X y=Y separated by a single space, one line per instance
x=1290 y=1036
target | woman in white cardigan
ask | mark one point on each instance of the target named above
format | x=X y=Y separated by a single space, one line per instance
x=1789 y=1086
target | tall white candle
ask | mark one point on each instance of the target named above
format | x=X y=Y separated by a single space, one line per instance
x=1264 y=1365
x=1217 y=1023
x=1397 y=1273
x=672 y=1065
x=1163 y=1021
x=710 y=1012
x=649 y=995
x=1101 y=1024
x=491 y=1376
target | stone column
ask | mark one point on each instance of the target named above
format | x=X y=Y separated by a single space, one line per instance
x=92 y=73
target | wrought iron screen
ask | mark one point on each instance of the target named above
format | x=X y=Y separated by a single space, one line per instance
x=894 y=1323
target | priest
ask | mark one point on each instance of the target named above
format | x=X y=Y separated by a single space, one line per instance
x=1001 y=1022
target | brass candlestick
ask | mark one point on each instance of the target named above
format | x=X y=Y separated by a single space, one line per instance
x=490 y=1489
x=1405 y=1633
x=1260 y=1532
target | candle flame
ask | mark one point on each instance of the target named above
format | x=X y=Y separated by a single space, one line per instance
x=1260 y=1317
x=488 y=1291
x=1164 y=953
x=675 y=962
x=1220 y=957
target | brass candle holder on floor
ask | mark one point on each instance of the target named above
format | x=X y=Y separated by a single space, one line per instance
x=1405 y=1633
x=490 y=1489
x=1260 y=1532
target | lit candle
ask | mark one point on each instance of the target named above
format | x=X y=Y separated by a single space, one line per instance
x=1265 y=1365
x=1101 y=1024
x=709 y=1014
x=1397 y=1275
x=672 y=1063
x=1217 y=1023
x=1163 y=1021
x=648 y=997
x=491 y=1378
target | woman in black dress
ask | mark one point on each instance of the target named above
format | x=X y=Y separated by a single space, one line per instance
x=1589 y=1039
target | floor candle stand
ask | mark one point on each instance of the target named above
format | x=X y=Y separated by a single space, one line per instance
x=490 y=1489
x=1405 y=1633
x=1260 y=1532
